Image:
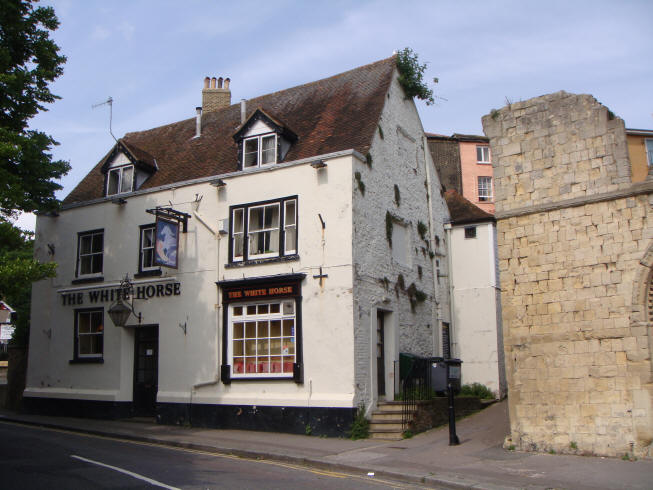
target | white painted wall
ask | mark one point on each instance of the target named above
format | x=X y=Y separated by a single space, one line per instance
x=191 y=359
x=475 y=328
x=399 y=157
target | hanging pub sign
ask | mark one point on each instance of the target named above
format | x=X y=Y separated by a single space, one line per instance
x=167 y=243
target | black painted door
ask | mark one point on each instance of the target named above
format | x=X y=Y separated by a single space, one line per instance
x=146 y=370
x=380 y=353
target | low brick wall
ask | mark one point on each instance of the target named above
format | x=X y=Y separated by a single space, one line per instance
x=434 y=413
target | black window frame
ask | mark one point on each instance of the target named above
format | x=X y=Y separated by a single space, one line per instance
x=294 y=280
x=153 y=270
x=282 y=231
x=86 y=359
x=470 y=232
x=93 y=276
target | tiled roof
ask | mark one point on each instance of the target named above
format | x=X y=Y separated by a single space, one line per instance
x=463 y=211
x=469 y=137
x=333 y=114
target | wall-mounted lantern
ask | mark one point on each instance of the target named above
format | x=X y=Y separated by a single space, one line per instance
x=119 y=312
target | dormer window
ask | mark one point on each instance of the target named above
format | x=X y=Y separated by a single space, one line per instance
x=126 y=168
x=262 y=141
x=120 y=180
x=260 y=150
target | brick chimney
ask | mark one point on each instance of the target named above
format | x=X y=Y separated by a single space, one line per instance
x=215 y=95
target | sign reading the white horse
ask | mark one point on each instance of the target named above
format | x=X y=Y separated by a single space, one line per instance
x=167 y=243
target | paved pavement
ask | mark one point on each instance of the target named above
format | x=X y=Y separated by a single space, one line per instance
x=478 y=462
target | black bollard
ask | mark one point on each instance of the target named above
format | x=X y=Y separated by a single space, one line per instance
x=453 y=438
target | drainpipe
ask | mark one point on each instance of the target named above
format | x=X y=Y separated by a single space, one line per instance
x=452 y=318
x=217 y=236
x=429 y=201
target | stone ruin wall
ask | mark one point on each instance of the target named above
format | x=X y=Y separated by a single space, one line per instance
x=575 y=257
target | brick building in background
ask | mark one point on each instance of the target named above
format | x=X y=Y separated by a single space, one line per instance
x=575 y=244
x=465 y=165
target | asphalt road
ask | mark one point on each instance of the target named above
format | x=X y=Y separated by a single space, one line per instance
x=35 y=458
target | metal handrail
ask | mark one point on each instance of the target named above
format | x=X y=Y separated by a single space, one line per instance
x=414 y=387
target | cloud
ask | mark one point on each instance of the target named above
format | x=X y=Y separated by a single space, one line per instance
x=100 y=33
x=127 y=30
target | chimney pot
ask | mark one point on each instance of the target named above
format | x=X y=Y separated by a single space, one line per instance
x=214 y=96
x=243 y=110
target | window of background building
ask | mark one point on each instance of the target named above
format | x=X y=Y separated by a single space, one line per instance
x=483 y=154
x=485 y=188
x=470 y=232
x=649 y=151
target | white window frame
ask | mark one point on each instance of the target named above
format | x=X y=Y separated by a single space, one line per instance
x=259 y=150
x=485 y=155
x=81 y=255
x=648 y=147
x=271 y=230
x=485 y=196
x=120 y=171
x=284 y=228
x=142 y=248
x=277 y=365
x=98 y=333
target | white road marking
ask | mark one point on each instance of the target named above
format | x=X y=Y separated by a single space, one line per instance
x=126 y=472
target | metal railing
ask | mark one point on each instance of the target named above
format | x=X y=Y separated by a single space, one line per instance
x=415 y=386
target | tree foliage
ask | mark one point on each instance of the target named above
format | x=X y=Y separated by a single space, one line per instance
x=18 y=270
x=411 y=76
x=29 y=61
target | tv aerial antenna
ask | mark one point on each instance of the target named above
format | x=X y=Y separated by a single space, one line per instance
x=108 y=102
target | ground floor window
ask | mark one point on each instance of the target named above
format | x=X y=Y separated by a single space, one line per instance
x=262 y=328
x=89 y=333
x=263 y=338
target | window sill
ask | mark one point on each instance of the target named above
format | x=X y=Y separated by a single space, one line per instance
x=85 y=280
x=156 y=272
x=87 y=360
x=285 y=258
x=257 y=378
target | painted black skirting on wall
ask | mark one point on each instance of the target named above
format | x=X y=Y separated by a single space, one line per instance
x=90 y=409
x=323 y=421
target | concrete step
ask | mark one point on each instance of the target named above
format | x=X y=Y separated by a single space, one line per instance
x=388 y=415
x=390 y=406
x=387 y=435
x=385 y=425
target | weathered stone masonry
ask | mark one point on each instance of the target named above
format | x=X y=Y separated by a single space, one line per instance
x=575 y=241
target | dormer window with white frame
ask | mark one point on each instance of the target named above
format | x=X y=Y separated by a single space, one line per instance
x=260 y=150
x=262 y=141
x=120 y=180
x=126 y=168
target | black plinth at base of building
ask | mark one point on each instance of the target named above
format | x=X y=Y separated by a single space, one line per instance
x=318 y=421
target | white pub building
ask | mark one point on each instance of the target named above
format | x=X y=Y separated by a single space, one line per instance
x=258 y=266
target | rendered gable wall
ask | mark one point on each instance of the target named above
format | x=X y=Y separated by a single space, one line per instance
x=575 y=240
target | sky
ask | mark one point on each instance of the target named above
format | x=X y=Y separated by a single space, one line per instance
x=151 y=57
